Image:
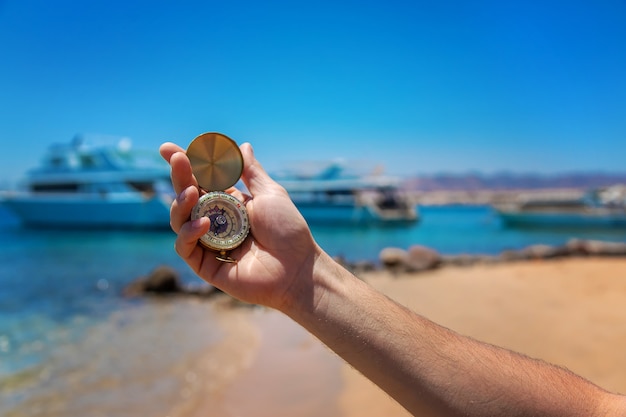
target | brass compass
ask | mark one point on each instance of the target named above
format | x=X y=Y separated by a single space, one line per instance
x=217 y=164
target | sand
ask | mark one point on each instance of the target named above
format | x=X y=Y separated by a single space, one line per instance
x=570 y=312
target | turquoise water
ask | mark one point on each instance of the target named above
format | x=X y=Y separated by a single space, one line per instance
x=57 y=285
x=450 y=230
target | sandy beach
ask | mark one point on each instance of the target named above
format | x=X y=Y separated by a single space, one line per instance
x=195 y=357
x=566 y=311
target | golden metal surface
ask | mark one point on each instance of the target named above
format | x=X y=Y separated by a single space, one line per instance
x=216 y=161
x=225 y=258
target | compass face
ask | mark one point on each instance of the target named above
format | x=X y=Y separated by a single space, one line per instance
x=229 y=220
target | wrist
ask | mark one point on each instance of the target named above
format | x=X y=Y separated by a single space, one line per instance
x=319 y=281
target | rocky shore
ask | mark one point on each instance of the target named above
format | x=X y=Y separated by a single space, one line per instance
x=469 y=196
x=165 y=280
x=420 y=258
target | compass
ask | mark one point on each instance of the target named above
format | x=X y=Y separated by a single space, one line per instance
x=217 y=164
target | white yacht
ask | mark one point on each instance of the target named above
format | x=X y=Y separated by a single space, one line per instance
x=332 y=196
x=603 y=207
x=93 y=186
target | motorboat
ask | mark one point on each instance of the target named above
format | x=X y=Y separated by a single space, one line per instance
x=602 y=207
x=94 y=185
x=332 y=195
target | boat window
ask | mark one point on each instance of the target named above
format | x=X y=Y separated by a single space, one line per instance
x=391 y=201
x=56 y=162
x=331 y=193
x=144 y=187
x=88 y=161
x=55 y=188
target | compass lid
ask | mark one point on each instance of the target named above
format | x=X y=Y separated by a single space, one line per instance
x=216 y=161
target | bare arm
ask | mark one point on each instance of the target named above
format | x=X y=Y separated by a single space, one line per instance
x=425 y=367
x=434 y=371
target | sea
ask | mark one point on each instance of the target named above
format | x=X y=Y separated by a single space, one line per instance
x=67 y=333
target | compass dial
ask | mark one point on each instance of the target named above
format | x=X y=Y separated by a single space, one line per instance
x=229 y=220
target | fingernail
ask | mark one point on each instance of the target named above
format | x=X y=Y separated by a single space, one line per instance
x=251 y=148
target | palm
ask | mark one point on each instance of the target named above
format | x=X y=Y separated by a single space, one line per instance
x=269 y=261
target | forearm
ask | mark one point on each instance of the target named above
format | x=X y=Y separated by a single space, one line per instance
x=427 y=368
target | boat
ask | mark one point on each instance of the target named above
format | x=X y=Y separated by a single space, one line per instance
x=331 y=195
x=602 y=207
x=94 y=185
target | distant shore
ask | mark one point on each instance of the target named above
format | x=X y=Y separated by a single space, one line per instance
x=489 y=196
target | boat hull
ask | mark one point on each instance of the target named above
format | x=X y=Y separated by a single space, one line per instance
x=89 y=211
x=600 y=219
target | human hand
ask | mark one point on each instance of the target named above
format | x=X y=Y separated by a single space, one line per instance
x=274 y=263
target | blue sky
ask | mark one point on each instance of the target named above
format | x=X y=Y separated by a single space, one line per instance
x=421 y=87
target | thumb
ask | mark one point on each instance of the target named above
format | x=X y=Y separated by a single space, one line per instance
x=254 y=175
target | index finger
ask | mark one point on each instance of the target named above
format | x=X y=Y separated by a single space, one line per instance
x=182 y=174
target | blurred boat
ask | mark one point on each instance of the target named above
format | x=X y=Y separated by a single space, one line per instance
x=93 y=186
x=332 y=196
x=604 y=207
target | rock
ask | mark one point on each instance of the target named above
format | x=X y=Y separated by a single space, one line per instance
x=416 y=258
x=393 y=257
x=602 y=248
x=513 y=255
x=363 y=266
x=541 y=251
x=162 y=280
x=487 y=259
x=463 y=259
x=576 y=247
x=421 y=258
x=583 y=247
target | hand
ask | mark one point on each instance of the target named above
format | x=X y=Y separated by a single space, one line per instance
x=274 y=263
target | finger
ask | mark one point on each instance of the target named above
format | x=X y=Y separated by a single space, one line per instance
x=182 y=175
x=168 y=149
x=187 y=246
x=254 y=176
x=182 y=206
x=237 y=194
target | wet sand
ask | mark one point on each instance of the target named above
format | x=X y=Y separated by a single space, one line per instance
x=569 y=312
x=266 y=366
